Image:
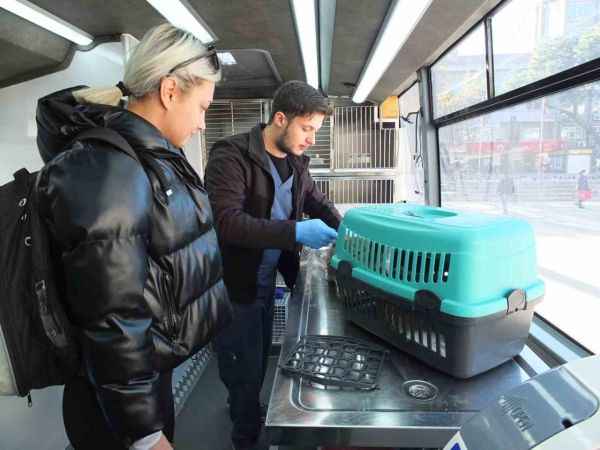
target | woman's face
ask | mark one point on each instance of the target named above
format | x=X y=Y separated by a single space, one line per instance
x=185 y=115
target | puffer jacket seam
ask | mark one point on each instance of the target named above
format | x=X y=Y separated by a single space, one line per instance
x=181 y=247
x=96 y=241
x=197 y=297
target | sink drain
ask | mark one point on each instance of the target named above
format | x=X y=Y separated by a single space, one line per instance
x=421 y=390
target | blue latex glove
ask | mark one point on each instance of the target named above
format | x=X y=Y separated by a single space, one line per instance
x=314 y=233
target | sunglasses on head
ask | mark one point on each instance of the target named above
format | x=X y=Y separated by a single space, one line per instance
x=211 y=54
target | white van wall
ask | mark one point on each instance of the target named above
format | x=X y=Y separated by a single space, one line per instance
x=41 y=427
x=101 y=66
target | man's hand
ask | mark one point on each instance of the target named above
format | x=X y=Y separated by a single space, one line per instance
x=314 y=233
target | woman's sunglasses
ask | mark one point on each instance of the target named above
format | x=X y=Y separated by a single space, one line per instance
x=211 y=54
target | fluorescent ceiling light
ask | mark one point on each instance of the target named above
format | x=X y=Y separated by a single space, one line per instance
x=306 y=26
x=226 y=58
x=182 y=15
x=44 y=19
x=403 y=18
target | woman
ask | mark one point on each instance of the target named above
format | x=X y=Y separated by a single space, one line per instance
x=584 y=192
x=142 y=269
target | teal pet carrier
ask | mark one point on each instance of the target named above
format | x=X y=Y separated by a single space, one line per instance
x=456 y=290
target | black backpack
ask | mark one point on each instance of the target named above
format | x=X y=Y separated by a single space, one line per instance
x=38 y=346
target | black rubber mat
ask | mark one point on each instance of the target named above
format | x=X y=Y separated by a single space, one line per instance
x=336 y=361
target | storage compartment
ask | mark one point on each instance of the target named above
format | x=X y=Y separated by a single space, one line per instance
x=456 y=290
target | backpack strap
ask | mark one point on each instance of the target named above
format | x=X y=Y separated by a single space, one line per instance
x=112 y=137
x=109 y=136
x=22 y=177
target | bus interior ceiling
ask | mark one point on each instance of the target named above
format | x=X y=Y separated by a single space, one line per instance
x=261 y=33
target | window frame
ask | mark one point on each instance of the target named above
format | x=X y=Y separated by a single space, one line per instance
x=586 y=72
x=489 y=75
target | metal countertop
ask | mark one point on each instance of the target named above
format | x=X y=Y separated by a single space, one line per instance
x=388 y=416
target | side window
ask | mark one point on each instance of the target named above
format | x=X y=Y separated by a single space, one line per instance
x=553 y=36
x=458 y=79
x=540 y=161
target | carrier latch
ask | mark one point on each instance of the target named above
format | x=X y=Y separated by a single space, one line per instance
x=344 y=272
x=516 y=301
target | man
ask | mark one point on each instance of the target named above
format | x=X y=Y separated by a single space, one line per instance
x=506 y=189
x=260 y=187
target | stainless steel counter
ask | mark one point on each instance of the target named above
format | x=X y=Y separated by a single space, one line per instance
x=303 y=414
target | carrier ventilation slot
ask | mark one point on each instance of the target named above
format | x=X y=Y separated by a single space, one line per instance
x=407 y=326
x=363 y=303
x=446 y=268
x=419 y=267
x=436 y=268
x=402 y=265
x=398 y=264
x=427 y=267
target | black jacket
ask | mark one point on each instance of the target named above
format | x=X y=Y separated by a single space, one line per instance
x=142 y=270
x=241 y=190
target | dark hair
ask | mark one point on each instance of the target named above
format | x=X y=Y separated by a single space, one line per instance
x=297 y=98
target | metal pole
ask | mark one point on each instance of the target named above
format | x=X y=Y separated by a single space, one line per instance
x=429 y=141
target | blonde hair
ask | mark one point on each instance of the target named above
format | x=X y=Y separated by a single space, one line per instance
x=160 y=50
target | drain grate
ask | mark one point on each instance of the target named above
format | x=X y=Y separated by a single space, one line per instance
x=420 y=390
x=336 y=361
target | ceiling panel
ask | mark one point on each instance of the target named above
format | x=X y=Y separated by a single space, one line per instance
x=262 y=24
x=357 y=24
x=253 y=76
x=105 y=17
x=26 y=48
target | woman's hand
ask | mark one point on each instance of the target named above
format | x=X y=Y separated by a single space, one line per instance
x=162 y=444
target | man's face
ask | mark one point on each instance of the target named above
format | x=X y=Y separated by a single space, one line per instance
x=298 y=134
